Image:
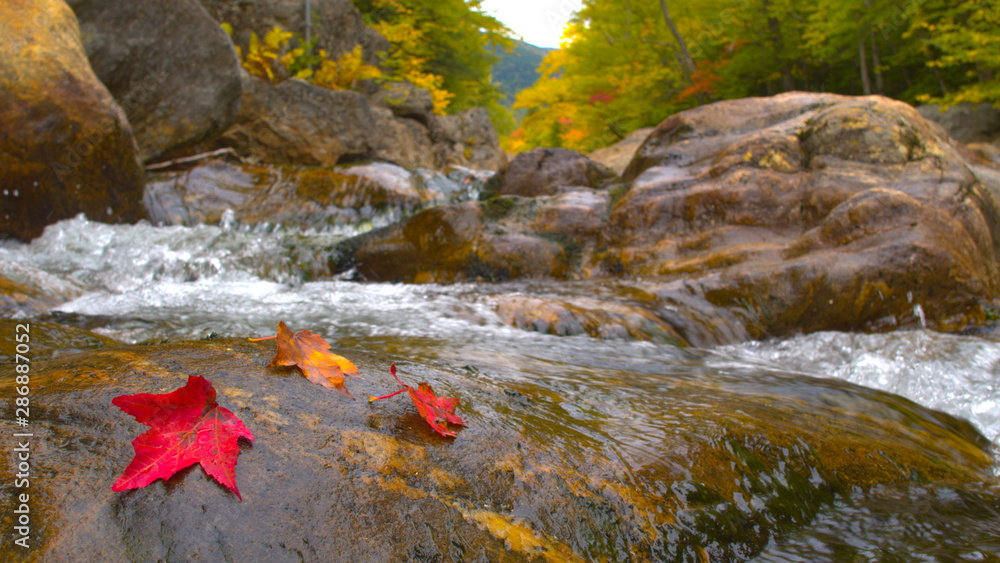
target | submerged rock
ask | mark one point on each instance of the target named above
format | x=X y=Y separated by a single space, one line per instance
x=606 y=320
x=674 y=468
x=65 y=145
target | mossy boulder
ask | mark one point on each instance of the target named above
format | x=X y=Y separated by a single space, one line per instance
x=653 y=471
x=65 y=144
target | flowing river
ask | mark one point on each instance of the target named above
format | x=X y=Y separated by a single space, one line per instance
x=142 y=283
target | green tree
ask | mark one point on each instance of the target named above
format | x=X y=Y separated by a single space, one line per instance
x=630 y=63
x=962 y=43
x=446 y=44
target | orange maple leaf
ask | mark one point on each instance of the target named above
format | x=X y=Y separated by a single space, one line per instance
x=312 y=355
x=437 y=411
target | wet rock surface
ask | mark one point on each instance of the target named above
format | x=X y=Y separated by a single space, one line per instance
x=65 y=145
x=606 y=320
x=796 y=213
x=673 y=468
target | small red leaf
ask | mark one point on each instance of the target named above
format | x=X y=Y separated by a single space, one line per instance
x=437 y=411
x=187 y=426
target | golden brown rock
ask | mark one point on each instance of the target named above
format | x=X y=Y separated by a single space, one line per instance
x=65 y=145
x=606 y=320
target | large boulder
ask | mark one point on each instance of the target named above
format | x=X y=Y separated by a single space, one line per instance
x=402 y=99
x=968 y=122
x=168 y=63
x=65 y=145
x=762 y=216
x=668 y=470
x=467 y=138
x=544 y=171
x=336 y=24
x=296 y=122
x=402 y=140
x=618 y=155
x=812 y=212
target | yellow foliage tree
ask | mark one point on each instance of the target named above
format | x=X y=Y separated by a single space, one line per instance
x=263 y=58
x=408 y=59
x=345 y=72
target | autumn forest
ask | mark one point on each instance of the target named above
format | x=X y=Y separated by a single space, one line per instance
x=627 y=64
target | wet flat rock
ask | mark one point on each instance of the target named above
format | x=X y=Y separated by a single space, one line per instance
x=661 y=470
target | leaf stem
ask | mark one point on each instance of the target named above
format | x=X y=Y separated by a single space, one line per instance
x=373 y=398
x=264 y=338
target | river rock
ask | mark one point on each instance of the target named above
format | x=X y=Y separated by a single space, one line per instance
x=300 y=197
x=618 y=155
x=403 y=99
x=169 y=64
x=447 y=244
x=968 y=122
x=467 y=138
x=671 y=470
x=812 y=212
x=796 y=213
x=296 y=122
x=65 y=145
x=337 y=25
x=543 y=171
x=26 y=292
x=602 y=319
x=299 y=123
x=401 y=140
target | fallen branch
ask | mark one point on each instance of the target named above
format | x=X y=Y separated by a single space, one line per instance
x=193 y=158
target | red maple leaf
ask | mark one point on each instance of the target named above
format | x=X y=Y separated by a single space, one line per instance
x=312 y=355
x=187 y=426
x=437 y=411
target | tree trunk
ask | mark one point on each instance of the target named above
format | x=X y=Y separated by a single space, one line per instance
x=787 y=84
x=877 y=64
x=866 y=83
x=687 y=62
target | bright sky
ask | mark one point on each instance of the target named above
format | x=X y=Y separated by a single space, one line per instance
x=539 y=22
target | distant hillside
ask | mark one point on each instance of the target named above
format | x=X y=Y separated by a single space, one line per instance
x=518 y=69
